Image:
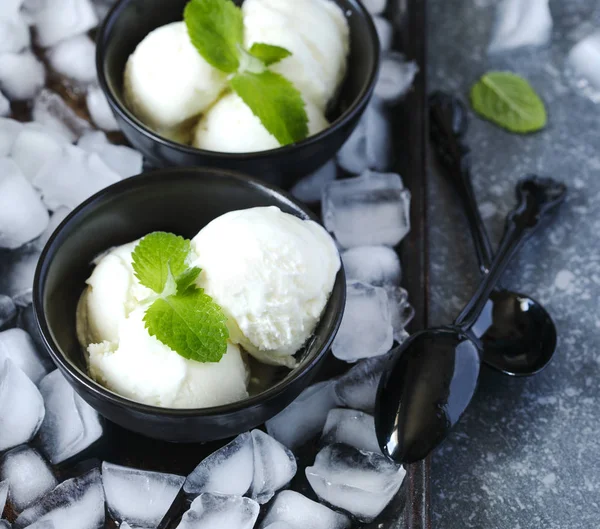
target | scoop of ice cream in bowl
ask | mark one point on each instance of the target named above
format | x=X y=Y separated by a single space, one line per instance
x=272 y=88
x=189 y=304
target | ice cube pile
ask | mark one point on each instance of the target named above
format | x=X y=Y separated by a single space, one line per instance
x=41 y=169
x=369 y=215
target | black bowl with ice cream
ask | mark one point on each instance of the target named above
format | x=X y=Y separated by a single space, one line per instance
x=131 y=20
x=181 y=201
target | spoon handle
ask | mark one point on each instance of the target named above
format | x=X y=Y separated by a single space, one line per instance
x=449 y=122
x=538 y=200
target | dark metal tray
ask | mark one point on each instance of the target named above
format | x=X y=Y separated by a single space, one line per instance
x=411 y=508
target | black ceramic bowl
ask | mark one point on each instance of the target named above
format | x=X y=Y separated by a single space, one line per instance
x=131 y=20
x=181 y=201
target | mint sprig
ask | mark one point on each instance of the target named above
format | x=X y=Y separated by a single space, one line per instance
x=181 y=315
x=508 y=101
x=216 y=29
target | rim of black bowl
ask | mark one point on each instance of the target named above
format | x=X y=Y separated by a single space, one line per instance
x=128 y=116
x=100 y=391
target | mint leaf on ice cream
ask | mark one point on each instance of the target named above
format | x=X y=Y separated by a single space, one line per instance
x=276 y=102
x=268 y=53
x=508 y=101
x=191 y=324
x=184 y=318
x=216 y=28
x=155 y=254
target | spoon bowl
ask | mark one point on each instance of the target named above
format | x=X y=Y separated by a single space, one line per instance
x=521 y=337
x=417 y=412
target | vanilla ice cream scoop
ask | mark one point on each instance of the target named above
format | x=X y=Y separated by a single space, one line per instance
x=167 y=82
x=317 y=34
x=123 y=357
x=230 y=126
x=272 y=274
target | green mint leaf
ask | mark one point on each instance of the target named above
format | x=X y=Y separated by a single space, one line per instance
x=187 y=280
x=508 y=101
x=268 y=53
x=216 y=29
x=276 y=102
x=155 y=254
x=191 y=324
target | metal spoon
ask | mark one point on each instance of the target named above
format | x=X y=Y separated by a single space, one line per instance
x=517 y=333
x=433 y=374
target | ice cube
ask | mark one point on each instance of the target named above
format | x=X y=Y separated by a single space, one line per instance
x=14 y=34
x=401 y=311
x=276 y=525
x=99 y=110
x=229 y=470
x=372 y=209
x=357 y=388
x=10 y=7
x=21 y=406
x=305 y=417
x=8 y=310
x=298 y=512
x=28 y=474
x=520 y=24
x=26 y=321
x=73 y=177
x=351 y=427
x=77 y=503
x=4 y=106
x=379 y=137
x=3 y=494
x=375 y=265
x=75 y=58
x=43 y=524
x=366 y=329
x=5 y=524
x=122 y=160
x=216 y=511
x=19 y=269
x=50 y=110
x=396 y=76
x=352 y=157
x=274 y=467
x=33 y=148
x=23 y=217
x=139 y=497
x=17 y=345
x=385 y=32
x=62 y=19
x=359 y=482
x=70 y=425
x=22 y=75
x=583 y=66
x=57 y=217
x=9 y=130
x=375 y=7
x=310 y=188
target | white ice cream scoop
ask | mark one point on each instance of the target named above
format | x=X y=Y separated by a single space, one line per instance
x=272 y=274
x=168 y=83
x=230 y=126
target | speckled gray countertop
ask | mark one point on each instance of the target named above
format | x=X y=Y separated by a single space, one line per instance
x=527 y=452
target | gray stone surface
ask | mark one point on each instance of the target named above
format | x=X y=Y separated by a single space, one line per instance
x=527 y=453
